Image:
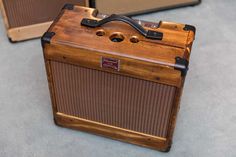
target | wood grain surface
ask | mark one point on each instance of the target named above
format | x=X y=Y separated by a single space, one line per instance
x=150 y=60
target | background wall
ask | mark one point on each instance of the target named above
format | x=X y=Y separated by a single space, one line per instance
x=206 y=124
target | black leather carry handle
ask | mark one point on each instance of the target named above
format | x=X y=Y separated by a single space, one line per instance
x=146 y=33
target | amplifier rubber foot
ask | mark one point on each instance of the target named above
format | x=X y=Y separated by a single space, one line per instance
x=167 y=150
x=11 y=41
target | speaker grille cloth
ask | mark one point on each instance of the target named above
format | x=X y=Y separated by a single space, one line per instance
x=112 y=99
x=27 y=12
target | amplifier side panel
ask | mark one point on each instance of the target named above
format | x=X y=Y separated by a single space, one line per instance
x=111 y=99
x=138 y=6
x=2 y=8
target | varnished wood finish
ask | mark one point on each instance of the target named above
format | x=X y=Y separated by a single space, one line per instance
x=175 y=37
x=111 y=131
x=28 y=32
x=130 y=67
x=147 y=60
x=51 y=86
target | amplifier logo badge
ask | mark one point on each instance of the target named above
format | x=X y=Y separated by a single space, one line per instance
x=110 y=63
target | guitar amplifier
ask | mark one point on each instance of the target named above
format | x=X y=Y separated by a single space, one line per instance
x=27 y=19
x=116 y=76
x=131 y=7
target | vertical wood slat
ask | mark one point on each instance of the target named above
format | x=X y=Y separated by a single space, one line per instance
x=112 y=99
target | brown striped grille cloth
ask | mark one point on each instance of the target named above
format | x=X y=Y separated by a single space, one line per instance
x=28 y=12
x=112 y=99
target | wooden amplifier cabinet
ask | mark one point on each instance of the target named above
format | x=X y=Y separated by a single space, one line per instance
x=115 y=76
x=27 y=19
x=131 y=7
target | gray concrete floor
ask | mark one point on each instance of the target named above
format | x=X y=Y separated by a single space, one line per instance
x=206 y=124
